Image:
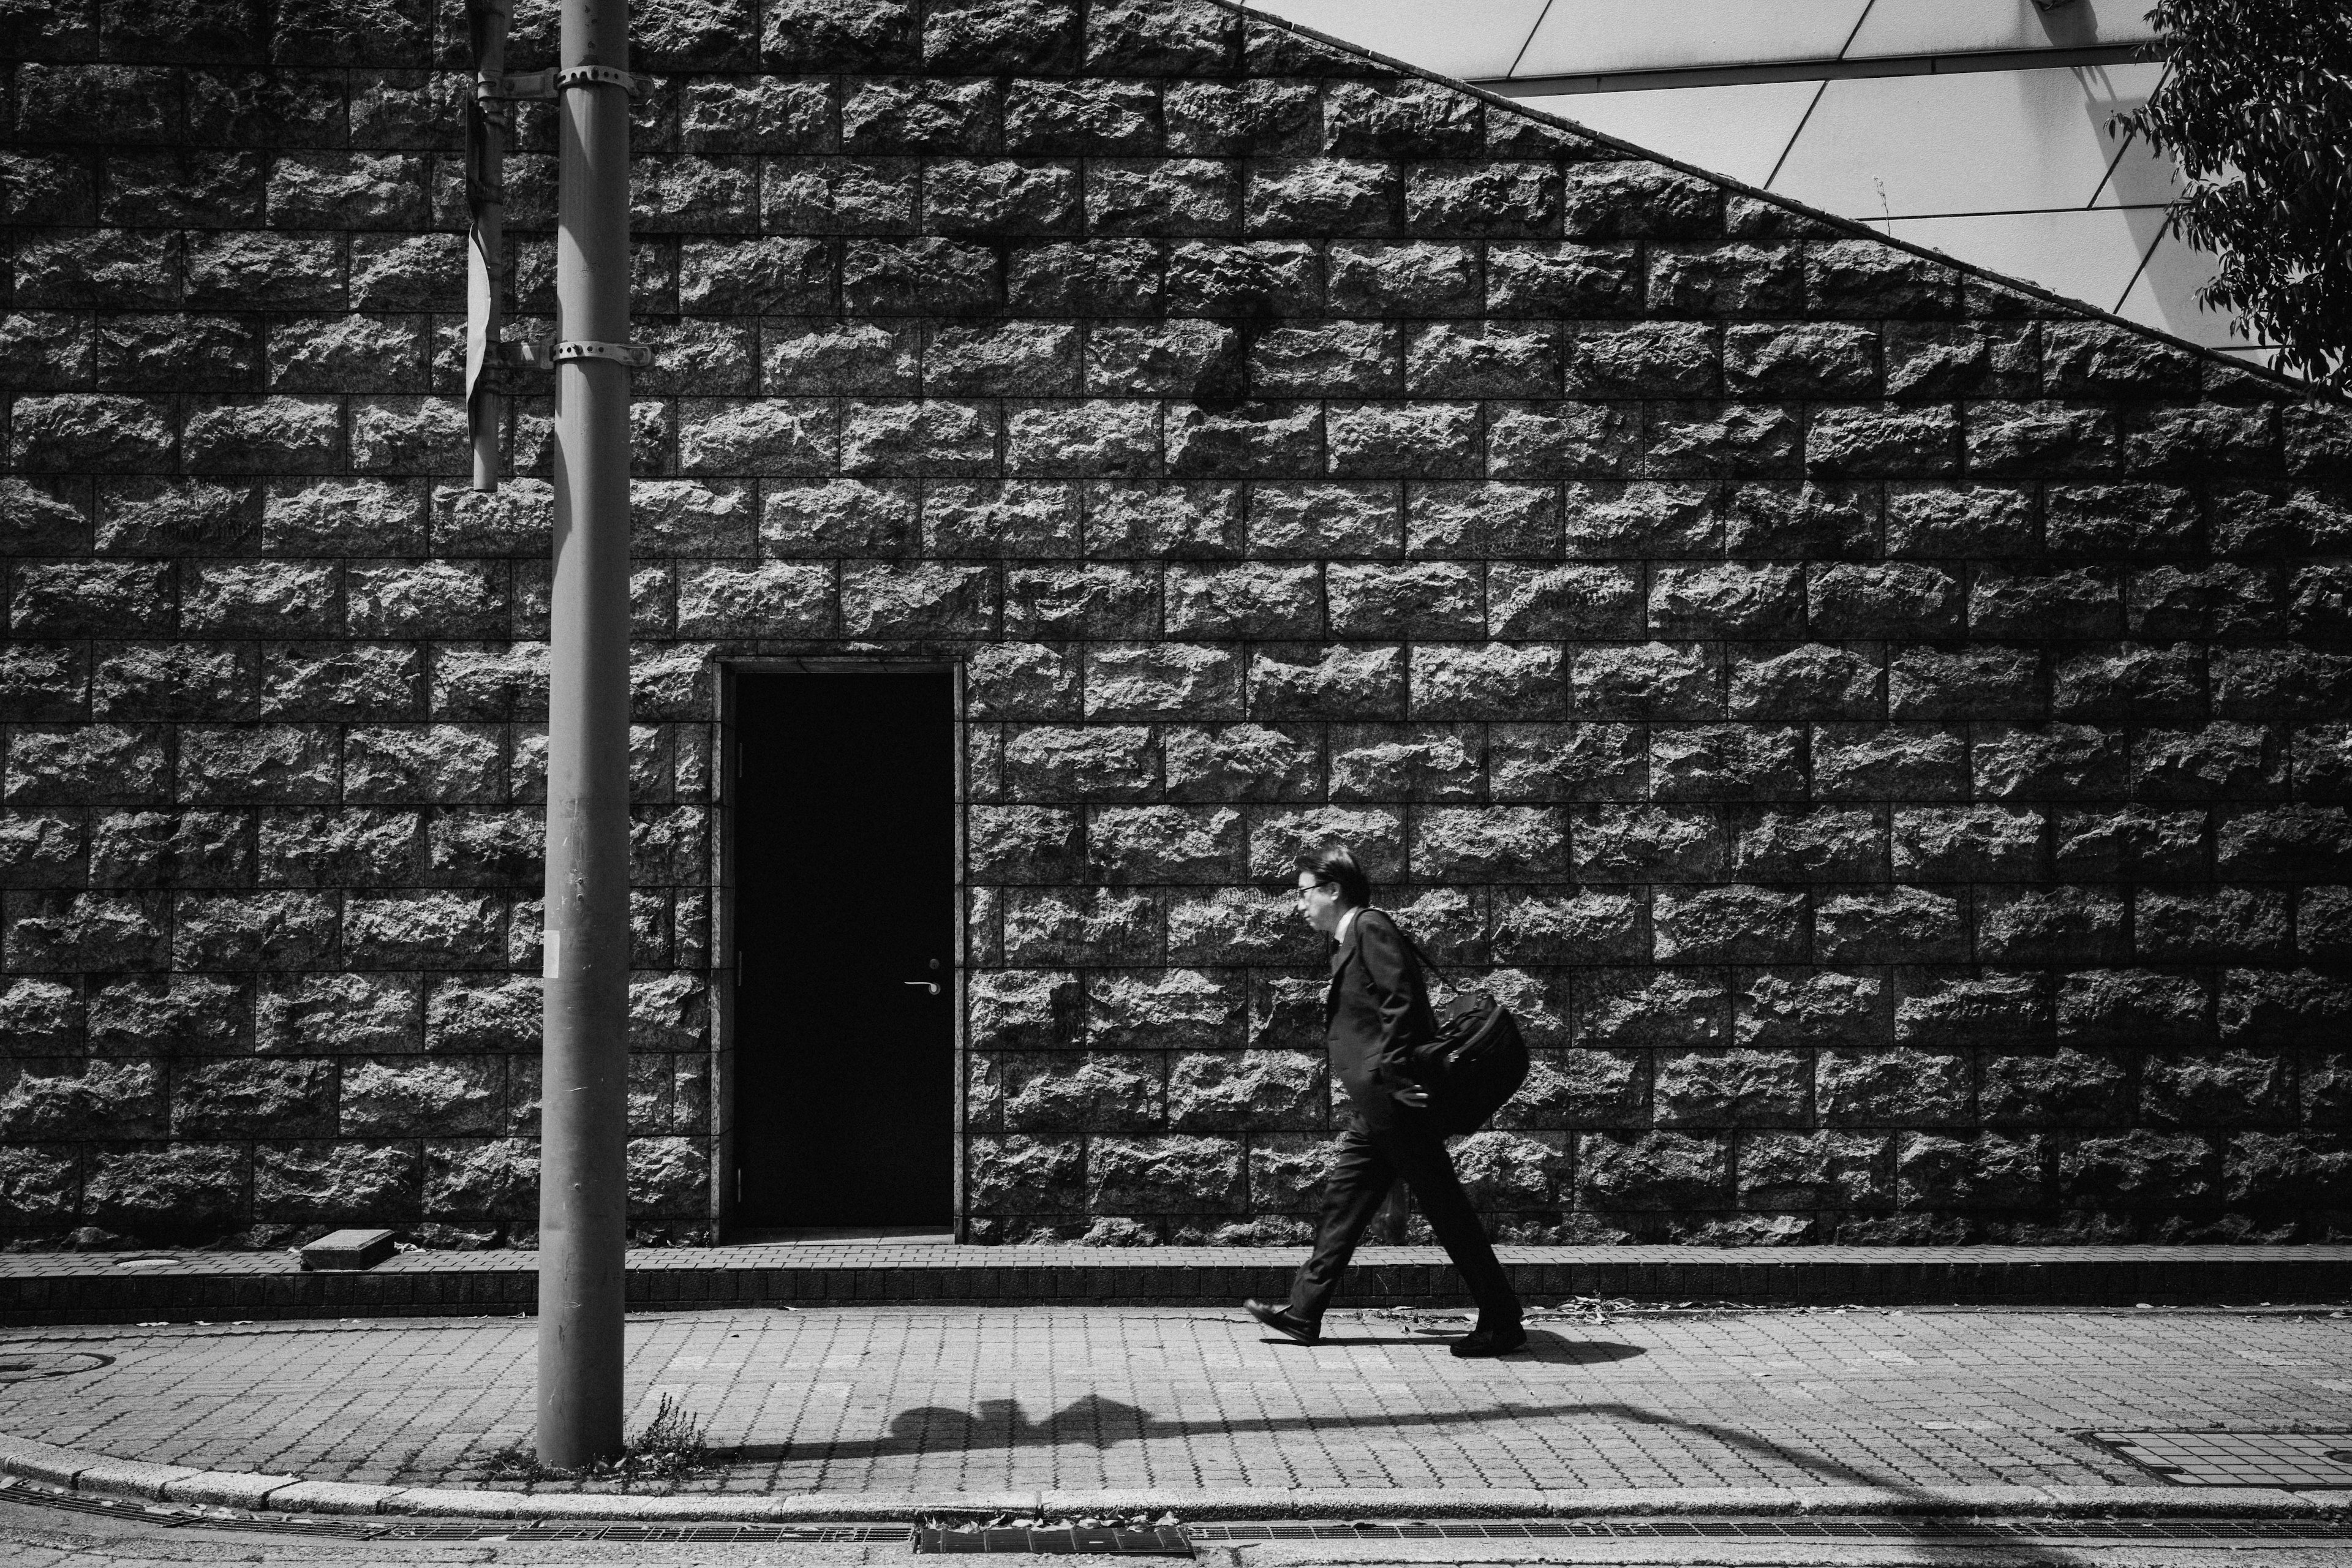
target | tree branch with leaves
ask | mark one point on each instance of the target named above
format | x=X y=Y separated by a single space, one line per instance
x=2256 y=110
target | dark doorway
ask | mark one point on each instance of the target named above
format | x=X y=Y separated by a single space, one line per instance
x=844 y=910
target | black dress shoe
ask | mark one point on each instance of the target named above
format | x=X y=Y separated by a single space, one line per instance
x=1281 y=1321
x=1491 y=1342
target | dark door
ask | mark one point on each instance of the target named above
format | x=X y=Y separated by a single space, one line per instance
x=845 y=901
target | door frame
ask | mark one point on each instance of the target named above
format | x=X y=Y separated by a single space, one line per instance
x=727 y=971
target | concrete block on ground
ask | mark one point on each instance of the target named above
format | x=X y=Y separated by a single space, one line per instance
x=127 y=1477
x=41 y=1461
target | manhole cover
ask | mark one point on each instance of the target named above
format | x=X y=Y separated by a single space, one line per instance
x=19 y=1367
x=2237 y=1459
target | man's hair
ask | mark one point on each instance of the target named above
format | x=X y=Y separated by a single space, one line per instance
x=1335 y=864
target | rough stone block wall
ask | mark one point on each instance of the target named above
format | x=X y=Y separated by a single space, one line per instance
x=1886 y=732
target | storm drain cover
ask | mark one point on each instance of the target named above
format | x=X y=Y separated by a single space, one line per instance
x=1067 y=1540
x=18 y=1366
x=2238 y=1458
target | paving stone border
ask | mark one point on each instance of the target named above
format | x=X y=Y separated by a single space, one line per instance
x=106 y=1477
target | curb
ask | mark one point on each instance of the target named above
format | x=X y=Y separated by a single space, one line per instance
x=136 y=1480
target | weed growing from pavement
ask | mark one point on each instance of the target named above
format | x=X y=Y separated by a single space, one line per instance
x=672 y=1446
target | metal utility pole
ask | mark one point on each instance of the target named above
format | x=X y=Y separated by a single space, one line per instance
x=583 y=1179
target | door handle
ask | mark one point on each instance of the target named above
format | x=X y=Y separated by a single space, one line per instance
x=932 y=986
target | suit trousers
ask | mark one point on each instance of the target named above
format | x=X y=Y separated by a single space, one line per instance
x=1365 y=1166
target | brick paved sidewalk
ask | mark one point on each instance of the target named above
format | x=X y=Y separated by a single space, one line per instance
x=935 y=1400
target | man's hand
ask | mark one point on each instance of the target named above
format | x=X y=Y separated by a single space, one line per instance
x=1416 y=1097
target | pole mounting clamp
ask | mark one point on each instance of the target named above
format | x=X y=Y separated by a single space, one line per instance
x=501 y=89
x=600 y=76
x=636 y=355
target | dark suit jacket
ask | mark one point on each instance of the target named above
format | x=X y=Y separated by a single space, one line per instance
x=1375 y=1012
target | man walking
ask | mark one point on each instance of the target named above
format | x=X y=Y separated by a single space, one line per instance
x=1375 y=1013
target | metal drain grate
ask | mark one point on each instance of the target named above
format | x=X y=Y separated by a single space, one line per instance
x=1788 y=1529
x=1065 y=1540
x=378 y=1528
x=2237 y=1459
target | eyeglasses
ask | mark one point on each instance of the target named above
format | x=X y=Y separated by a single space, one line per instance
x=1299 y=896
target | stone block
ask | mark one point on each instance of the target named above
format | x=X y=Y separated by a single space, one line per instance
x=425 y=930
x=2296 y=1169
x=2275 y=1008
x=1162 y=196
x=326 y=1182
x=86 y=764
x=1099 y=438
x=1797 y=845
x=2217 y=1089
x=1730 y=924
x=1999 y=1007
x=2053 y=925
x=1328 y=357
x=1239 y=761
x=235 y=1098
x=92 y=431
x=1891 y=599
x=1812 y=681
x=108 y=270
x=85 y=597
x=1733 y=1087
x=1964 y=844
x=2129 y=844
x=2144 y=683
x=1278 y=837
x=1653 y=1172
x=1095 y=1093
x=1258 y=600
x=1098 y=925
x=1726 y=601
x=1947 y=520
x=1889 y=925
x=1506 y=1170
x=441 y=764
x=413 y=1096
x=1147 y=680
x=2225 y=925
x=824 y=355
x=2295 y=843
x=1727 y=280
x=1896 y=1088
x=482 y=1013
x=2067 y=1088
x=2131 y=1007
x=1253 y=1091
x=1413 y=440
x=2222 y=761
x=104 y=1099
x=1163 y=1175
x=1986 y=1172
x=1566 y=762
x=1427 y=763
x=1797 y=1010
x=1256 y=440
x=2054 y=762
x=1088 y=116
x=1237 y=925
x=1645 y=844
x=1022 y=843
x=471 y=1180
x=1581 y=1088
x=1970 y=683
x=1166 y=844
x=1627 y=1008
x=1288 y=681
x=1484 y=359
x=161 y=1190
x=1806 y=1171
x=917 y=600
x=1654 y=680
x=1322 y=196
x=1265 y=279
x=837 y=517
x=41 y=1017
x=1096 y=762
x=337 y=1015
x=337 y=849
x=1726 y=762
x=1454 y=844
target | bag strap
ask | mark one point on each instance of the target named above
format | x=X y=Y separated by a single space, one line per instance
x=1424 y=957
